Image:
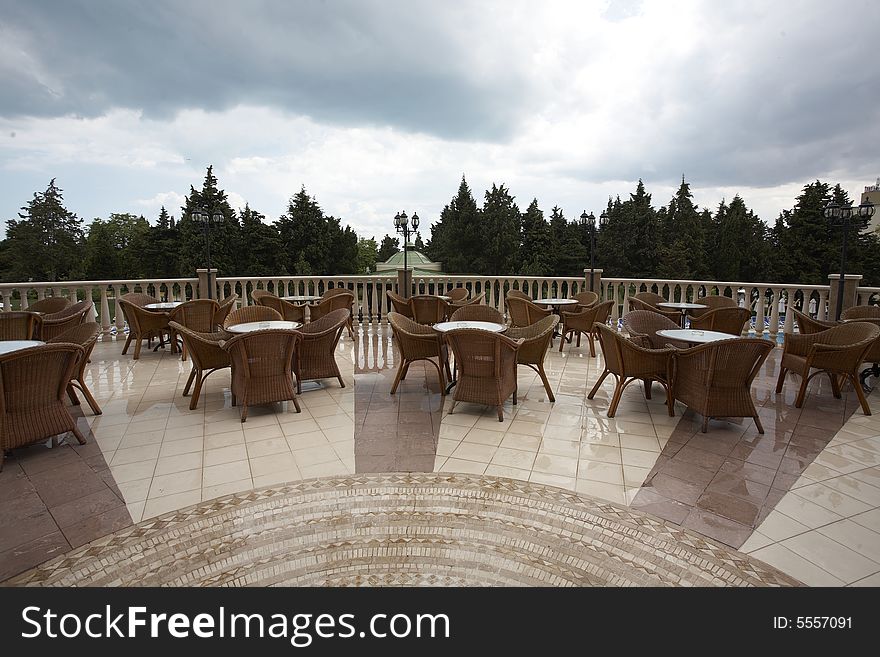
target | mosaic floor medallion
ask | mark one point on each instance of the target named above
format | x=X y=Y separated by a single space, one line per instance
x=405 y=530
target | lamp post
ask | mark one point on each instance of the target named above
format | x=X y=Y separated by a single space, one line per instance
x=200 y=215
x=839 y=215
x=402 y=226
x=590 y=220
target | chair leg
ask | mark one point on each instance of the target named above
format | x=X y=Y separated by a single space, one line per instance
x=501 y=414
x=802 y=392
x=615 y=398
x=562 y=337
x=579 y=339
x=189 y=381
x=296 y=404
x=399 y=377
x=592 y=345
x=705 y=423
x=341 y=382
x=546 y=383
x=758 y=424
x=835 y=385
x=598 y=383
x=781 y=380
x=670 y=401
x=861 y=395
x=452 y=408
x=79 y=436
x=127 y=342
x=244 y=412
x=197 y=391
x=648 y=383
x=71 y=394
x=137 y=349
x=84 y=389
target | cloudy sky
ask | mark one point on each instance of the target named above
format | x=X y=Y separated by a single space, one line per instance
x=381 y=106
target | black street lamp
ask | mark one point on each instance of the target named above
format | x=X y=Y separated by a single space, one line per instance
x=200 y=215
x=839 y=216
x=402 y=225
x=590 y=220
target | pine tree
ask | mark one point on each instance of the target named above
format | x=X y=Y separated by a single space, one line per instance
x=261 y=253
x=499 y=239
x=418 y=245
x=390 y=246
x=367 y=252
x=535 y=245
x=161 y=253
x=224 y=236
x=683 y=237
x=101 y=259
x=455 y=239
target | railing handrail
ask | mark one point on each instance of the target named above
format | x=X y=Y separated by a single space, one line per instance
x=121 y=281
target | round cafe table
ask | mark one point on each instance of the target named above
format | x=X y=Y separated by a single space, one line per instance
x=694 y=336
x=681 y=306
x=163 y=305
x=248 y=327
x=301 y=298
x=556 y=303
x=443 y=327
x=8 y=346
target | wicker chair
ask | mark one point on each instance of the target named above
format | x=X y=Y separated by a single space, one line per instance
x=49 y=305
x=334 y=291
x=724 y=320
x=859 y=312
x=206 y=354
x=316 y=358
x=20 y=325
x=837 y=351
x=85 y=335
x=428 y=309
x=715 y=379
x=32 y=386
x=517 y=294
x=251 y=314
x=522 y=312
x=477 y=313
x=227 y=305
x=626 y=361
x=458 y=294
x=143 y=325
x=418 y=342
x=196 y=315
x=642 y=327
x=257 y=297
x=536 y=341
x=586 y=299
x=712 y=302
x=649 y=301
x=57 y=323
x=139 y=298
x=486 y=366
x=584 y=321
x=292 y=312
x=335 y=301
x=262 y=367
x=807 y=324
x=399 y=304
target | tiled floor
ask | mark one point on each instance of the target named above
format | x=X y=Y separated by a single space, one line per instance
x=723 y=484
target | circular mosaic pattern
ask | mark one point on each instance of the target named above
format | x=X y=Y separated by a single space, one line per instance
x=405 y=530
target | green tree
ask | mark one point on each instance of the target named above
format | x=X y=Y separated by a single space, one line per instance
x=344 y=250
x=260 y=253
x=455 y=239
x=739 y=243
x=418 y=244
x=499 y=227
x=224 y=235
x=388 y=247
x=161 y=252
x=683 y=235
x=102 y=259
x=535 y=244
x=44 y=244
x=367 y=251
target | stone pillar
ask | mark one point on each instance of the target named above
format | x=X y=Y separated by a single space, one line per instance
x=850 y=298
x=597 y=280
x=203 y=283
x=404 y=282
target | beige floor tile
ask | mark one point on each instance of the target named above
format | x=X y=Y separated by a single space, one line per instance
x=474 y=452
x=603 y=491
x=526 y=428
x=484 y=437
x=460 y=419
x=224 y=439
x=335 y=421
x=832 y=557
x=604 y=453
x=178 y=447
x=636 y=441
x=131 y=440
x=446 y=447
x=135 y=454
x=518 y=441
x=132 y=471
x=310 y=439
x=872 y=580
x=254 y=434
x=777 y=526
x=178 y=463
x=278 y=477
x=136 y=511
x=462 y=466
x=869 y=519
x=181 y=433
x=856 y=537
x=570 y=448
x=333 y=468
x=266 y=447
x=755 y=542
x=855 y=488
x=160 y=505
x=135 y=491
x=609 y=473
x=274 y=463
x=634 y=476
x=339 y=434
x=514 y=458
x=638 y=457
x=292 y=426
x=805 y=512
x=506 y=471
x=452 y=432
x=830 y=499
x=562 y=466
x=792 y=564
x=211 y=492
x=177 y=482
x=610 y=439
x=548 y=479
x=225 y=473
x=563 y=433
x=314 y=456
x=225 y=455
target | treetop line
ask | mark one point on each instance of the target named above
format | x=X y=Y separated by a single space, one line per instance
x=677 y=241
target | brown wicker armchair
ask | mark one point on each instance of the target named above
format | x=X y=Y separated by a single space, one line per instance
x=856 y=312
x=807 y=324
x=85 y=335
x=262 y=371
x=517 y=294
x=335 y=301
x=227 y=305
x=399 y=304
x=626 y=361
x=258 y=295
x=458 y=294
x=143 y=325
x=428 y=309
x=57 y=323
x=206 y=354
x=196 y=315
x=292 y=312
x=316 y=358
x=139 y=298
x=642 y=327
x=418 y=342
x=477 y=313
x=486 y=366
x=32 y=386
x=584 y=321
x=251 y=314
x=334 y=291
x=586 y=299
x=837 y=351
x=522 y=312
x=649 y=301
x=49 y=305
x=724 y=320
x=19 y=325
x=715 y=379
x=536 y=341
x=712 y=302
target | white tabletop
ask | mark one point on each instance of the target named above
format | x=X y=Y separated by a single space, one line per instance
x=485 y=326
x=691 y=335
x=681 y=306
x=247 y=327
x=556 y=302
x=301 y=298
x=8 y=346
x=163 y=305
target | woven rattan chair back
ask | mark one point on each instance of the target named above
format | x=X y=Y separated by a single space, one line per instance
x=19 y=325
x=477 y=313
x=725 y=320
x=86 y=336
x=251 y=314
x=642 y=327
x=428 y=309
x=458 y=294
x=49 y=305
x=861 y=312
